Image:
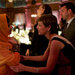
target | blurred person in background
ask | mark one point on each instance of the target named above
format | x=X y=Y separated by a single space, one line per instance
x=67 y=12
x=39 y=42
x=7 y=56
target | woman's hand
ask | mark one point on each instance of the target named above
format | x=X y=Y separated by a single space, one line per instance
x=18 y=68
x=22 y=58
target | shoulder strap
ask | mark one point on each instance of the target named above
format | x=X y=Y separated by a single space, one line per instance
x=69 y=52
x=59 y=39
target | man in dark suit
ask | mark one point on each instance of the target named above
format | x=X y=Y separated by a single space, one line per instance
x=67 y=11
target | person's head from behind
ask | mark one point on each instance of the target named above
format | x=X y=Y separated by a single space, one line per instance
x=44 y=9
x=67 y=10
x=47 y=24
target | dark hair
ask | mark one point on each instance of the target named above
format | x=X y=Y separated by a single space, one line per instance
x=69 y=5
x=47 y=8
x=50 y=20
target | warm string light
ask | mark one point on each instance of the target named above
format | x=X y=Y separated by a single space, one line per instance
x=33 y=15
x=10 y=0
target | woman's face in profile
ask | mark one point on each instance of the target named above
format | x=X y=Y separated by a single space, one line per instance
x=42 y=29
x=40 y=11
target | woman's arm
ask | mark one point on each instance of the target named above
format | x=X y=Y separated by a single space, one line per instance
x=37 y=58
x=51 y=62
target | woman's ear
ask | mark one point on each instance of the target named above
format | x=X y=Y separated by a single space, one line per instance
x=49 y=27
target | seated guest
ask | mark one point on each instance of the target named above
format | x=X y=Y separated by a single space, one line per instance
x=59 y=53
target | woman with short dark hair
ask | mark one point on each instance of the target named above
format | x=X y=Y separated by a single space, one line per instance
x=59 y=53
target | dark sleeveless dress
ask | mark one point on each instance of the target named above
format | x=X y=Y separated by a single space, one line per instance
x=63 y=67
x=65 y=64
